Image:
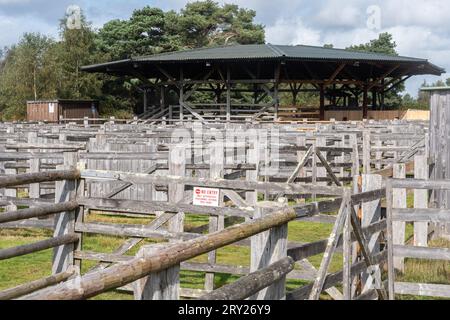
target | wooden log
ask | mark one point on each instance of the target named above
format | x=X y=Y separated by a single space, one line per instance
x=38 y=211
x=33 y=286
x=37 y=246
x=122 y=274
x=130 y=243
x=253 y=283
x=27 y=178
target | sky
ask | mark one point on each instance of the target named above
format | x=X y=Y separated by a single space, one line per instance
x=420 y=27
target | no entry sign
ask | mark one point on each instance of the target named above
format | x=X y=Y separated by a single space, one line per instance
x=206 y=197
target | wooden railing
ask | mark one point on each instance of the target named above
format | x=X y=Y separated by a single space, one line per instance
x=424 y=218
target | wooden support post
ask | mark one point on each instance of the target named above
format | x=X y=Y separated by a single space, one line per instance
x=181 y=95
x=162 y=285
x=374 y=99
x=322 y=102
x=267 y=248
x=228 y=85
x=64 y=224
x=420 y=201
x=365 y=102
x=399 y=202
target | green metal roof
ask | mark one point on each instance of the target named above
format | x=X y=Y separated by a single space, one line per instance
x=269 y=51
x=362 y=64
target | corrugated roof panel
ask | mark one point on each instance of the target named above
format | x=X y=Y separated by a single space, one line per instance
x=267 y=51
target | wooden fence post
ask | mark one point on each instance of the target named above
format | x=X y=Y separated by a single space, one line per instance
x=216 y=223
x=63 y=256
x=267 y=248
x=177 y=167
x=420 y=201
x=366 y=152
x=355 y=155
x=34 y=190
x=162 y=285
x=371 y=213
x=399 y=201
x=10 y=192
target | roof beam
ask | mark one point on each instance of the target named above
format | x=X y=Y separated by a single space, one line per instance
x=385 y=75
x=165 y=73
x=397 y=83
x=335 y=74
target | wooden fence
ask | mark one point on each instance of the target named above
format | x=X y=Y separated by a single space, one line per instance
x=423 y=217
x=138 y=170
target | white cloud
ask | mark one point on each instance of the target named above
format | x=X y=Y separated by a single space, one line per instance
x=420 y=27
x=292 y=32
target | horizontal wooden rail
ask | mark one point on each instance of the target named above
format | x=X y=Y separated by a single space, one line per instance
x=33 y=286
x=252 y=283
x=38 y=246
x=136 y=178
x=143 y=207
x=52 y=146
x=38 y=211
x=423 y=289
x=421 y=215
x=29 y=224
x=422 y=253
x=121 y=274
x=421 y=184
x=47 y=176
x=135 y=231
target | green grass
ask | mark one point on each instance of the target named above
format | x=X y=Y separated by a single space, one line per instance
x=35 y=266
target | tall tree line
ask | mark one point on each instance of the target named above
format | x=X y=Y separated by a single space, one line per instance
x=39 y=67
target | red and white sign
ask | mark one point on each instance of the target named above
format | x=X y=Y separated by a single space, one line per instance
x=206 y=197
